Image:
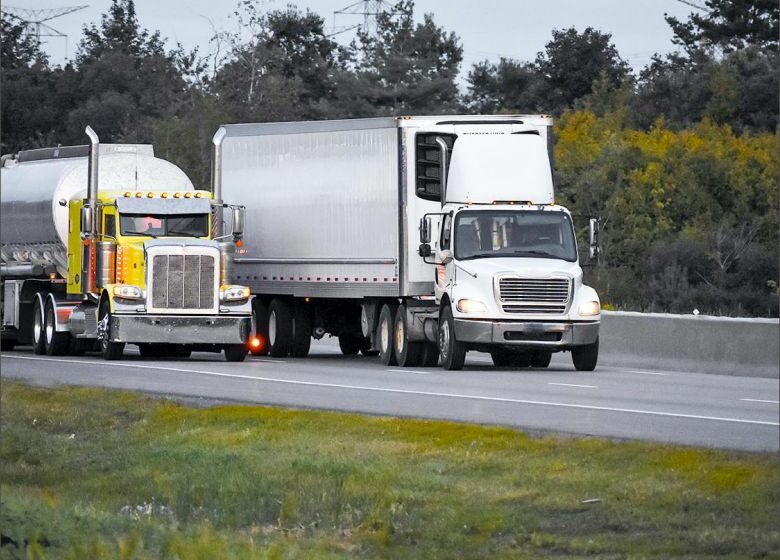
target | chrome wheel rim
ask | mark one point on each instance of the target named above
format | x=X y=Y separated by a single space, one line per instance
x=49 y=325
x=37 y=327
x=399 y=336
x=384 y=336
x=444 y=340
x=272 y=328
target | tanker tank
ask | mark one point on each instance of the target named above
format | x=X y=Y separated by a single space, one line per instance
x=37 y=185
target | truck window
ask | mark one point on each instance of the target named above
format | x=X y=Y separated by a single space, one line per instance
x=110 y=228
x=428 y=164
x=156 y=225
x=514 y=233
x=446 y=232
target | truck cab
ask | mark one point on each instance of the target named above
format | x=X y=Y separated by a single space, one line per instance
x=508 y=278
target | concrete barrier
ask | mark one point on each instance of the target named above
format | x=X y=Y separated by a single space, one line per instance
x=692 y=343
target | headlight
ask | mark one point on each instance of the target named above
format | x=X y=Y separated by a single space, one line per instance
x=590 y=308
x=234 y=293
x=128 y=292
x=471 y=306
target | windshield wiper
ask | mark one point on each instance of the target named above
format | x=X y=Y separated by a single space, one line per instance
x=483 y=256
x=543 y=254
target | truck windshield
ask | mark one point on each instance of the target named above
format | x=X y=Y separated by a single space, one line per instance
x=514 y=233
x=159 y=225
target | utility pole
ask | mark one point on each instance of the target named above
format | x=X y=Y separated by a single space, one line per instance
x=369 y=9
x=35 y=20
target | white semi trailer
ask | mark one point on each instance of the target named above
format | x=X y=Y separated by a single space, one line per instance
x=415 y=238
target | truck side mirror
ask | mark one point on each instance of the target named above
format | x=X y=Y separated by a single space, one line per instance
x=425 y=250
x=425 y=230
x=445 y=256
x=238 y=220
x=594 y=228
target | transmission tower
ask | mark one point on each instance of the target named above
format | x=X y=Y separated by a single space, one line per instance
x=369 y=9
x=34 y=20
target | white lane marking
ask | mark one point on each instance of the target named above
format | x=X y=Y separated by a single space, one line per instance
x=648 y=372
x=574 y=385
x=411 y=371
x=410 y=392
x=270 y=361
x=760 y=400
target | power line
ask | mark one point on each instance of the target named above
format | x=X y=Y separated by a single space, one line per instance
x=696 y=5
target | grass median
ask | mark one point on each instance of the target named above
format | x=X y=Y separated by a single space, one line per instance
x=90 y=473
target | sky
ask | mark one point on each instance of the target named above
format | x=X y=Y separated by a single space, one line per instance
x=488 y=29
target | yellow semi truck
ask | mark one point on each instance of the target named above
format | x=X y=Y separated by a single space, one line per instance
x=107 y=245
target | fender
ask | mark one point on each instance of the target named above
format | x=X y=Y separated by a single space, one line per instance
x=62 y=311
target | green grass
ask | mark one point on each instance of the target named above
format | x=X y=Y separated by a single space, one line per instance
x=89 y=473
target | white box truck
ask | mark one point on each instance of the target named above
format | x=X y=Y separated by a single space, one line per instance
x=415 y=238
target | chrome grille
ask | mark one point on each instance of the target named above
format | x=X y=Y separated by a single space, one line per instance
x=534 y=295
x=183 y=282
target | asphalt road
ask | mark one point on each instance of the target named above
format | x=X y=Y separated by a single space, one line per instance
x=694 y=409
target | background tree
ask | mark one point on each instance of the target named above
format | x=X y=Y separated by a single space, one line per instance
x=406 y=68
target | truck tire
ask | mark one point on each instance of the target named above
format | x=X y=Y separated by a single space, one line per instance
x=301 y=338
x=7 y=345
x=280 y=328
x=350 y=344
x=55 y=343
x=385 y=335
x=37 y=337
x=235 y=352
x=452 y=352
x=109 y=350
x=408 y=353
x=541 y=358
x=260 y=311
x=585 y=357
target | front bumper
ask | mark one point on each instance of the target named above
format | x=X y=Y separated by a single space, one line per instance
x=527 y=334
x=181 y=329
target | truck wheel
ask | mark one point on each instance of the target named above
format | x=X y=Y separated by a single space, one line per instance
x=38 y=343
x=349 y=344
x=541 y=358
x=385 y=335
x=301 y=338
x=408 y=353
x=280 y=328
x=109 y=350
x=430 y=355
x=260 y=311
x=585 y=357
x=7 y=345
x=235 y=352
x=452 y=352
x=55 y=343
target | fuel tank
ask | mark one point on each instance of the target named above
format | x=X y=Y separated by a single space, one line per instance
x=37 y=186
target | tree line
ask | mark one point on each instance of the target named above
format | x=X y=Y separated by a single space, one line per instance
x=680 y=158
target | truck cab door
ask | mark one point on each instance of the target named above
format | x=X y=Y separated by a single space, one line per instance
x=444 y=271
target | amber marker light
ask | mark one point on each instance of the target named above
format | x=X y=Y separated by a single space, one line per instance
x=198 y=195
x=128 y=194
x=150 y=195
x=187 y=195
x=164 y=195
x=139 y=194
x=177 y=195
x=239 y=243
